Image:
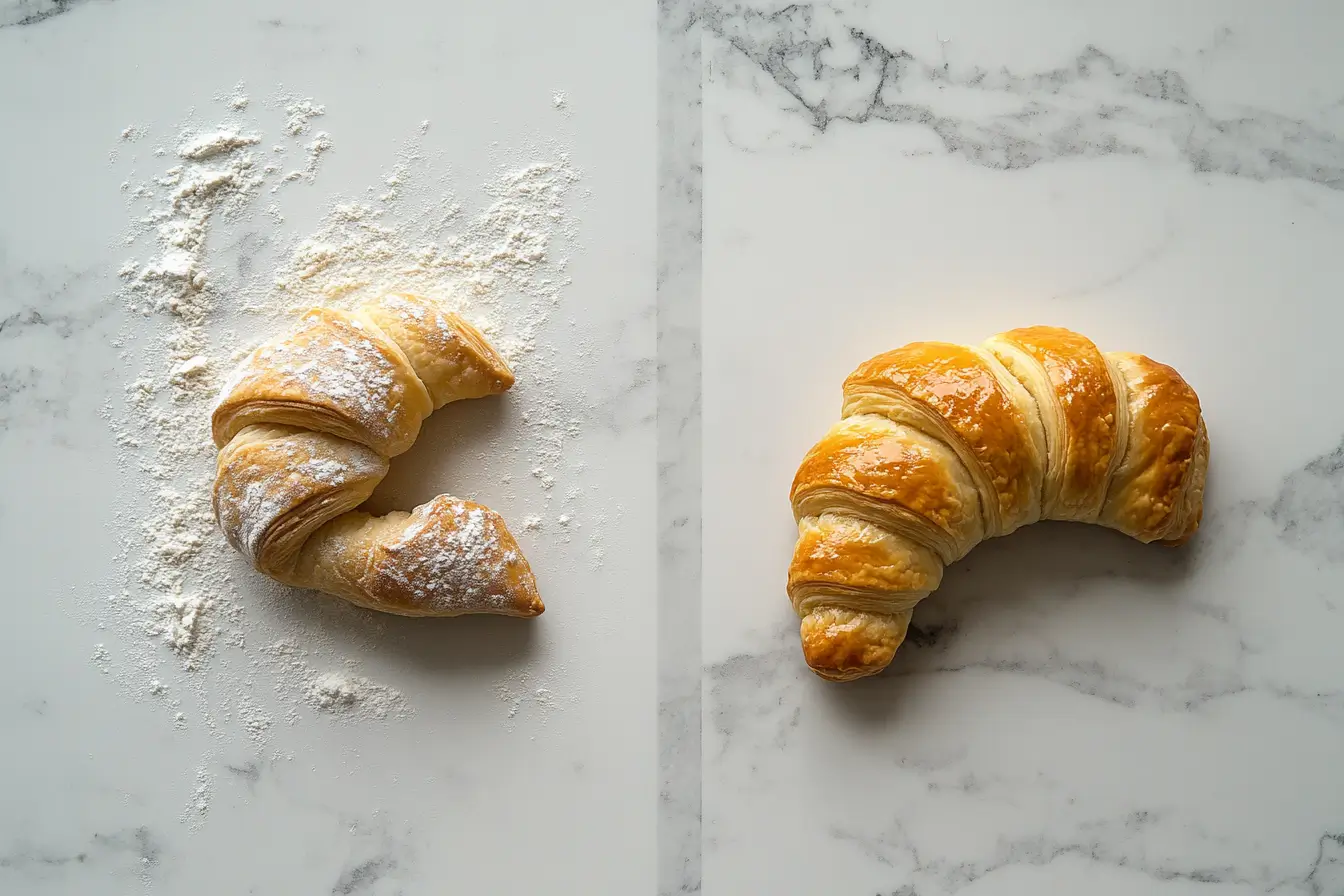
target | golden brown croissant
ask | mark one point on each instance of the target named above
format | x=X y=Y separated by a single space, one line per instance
x=942 y=446
x=305 y=427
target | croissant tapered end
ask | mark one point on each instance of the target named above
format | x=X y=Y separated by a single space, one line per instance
x=841 y=645
x=1191 y=510
x=449 y=355
x=1157 y=492
x=448 y=557
x=452 y=557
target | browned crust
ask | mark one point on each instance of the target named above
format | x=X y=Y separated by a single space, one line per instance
x=1154 y=494
x=842 y=645
x=1082 y=384
x=862 y=557
x=959 y=386
x=881 y=466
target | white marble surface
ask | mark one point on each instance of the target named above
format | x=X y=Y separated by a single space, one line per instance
x=1074 y=713
x=474 y=793
x=768 y=196
x=680 y=197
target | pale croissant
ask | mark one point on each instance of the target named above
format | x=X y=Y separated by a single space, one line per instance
x=305 y=428
x=942 y=446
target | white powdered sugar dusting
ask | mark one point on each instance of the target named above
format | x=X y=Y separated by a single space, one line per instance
x=211 y=269
x=450 y=557
x=295 y=470
x=526 y=697
x=353 y=372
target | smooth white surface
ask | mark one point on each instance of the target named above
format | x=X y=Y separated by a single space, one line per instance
x=1076 y=712
x=474 y=793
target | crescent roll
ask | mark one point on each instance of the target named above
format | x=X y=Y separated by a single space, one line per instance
x=941 y=446
x=306 y=426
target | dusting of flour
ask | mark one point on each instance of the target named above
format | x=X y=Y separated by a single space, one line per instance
x=353 y=694
x=210 y=269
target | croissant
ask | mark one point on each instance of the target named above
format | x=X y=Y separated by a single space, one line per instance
x=305 y=427
x=941 y=446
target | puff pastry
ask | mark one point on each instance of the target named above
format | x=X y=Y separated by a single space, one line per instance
x=305 y=427
x=941 y=446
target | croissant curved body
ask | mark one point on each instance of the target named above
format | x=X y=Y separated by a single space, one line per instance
x=306 y=426
x=941 y=446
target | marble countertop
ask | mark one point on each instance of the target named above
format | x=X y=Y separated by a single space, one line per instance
x=766 y=195
x=1074 y=712
x=530 y=761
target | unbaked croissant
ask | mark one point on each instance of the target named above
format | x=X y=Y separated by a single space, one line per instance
x=942 y=446
x=305 y=427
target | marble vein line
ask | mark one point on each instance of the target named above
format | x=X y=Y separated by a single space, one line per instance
x=1120 y=842
x=30 y=12
x=135 y=850
x=45 y=320
x=1095 y=104
x=678 y=454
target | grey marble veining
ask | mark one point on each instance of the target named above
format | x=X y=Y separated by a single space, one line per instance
x=33 y=12
x=1095 y=104
x=50 y=318
x=680 y=186
x=1308 y=508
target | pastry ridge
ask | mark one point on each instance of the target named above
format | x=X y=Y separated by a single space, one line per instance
x=941 y=446
x=955 y=393
x=1069 y=379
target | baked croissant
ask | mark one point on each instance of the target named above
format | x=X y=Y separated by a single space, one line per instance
x=305 y=427
x=942 y=446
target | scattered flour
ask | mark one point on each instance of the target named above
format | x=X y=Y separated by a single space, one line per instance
x=207 y=146
x=300 y=114
x=524 y=696
x=236 y=99
x=198 y=804
x=179 y=621
x=209 y=271
x=314 y=148
x=335 y=692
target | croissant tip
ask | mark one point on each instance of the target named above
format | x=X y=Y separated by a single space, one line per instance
x=843 y=674
x=842 y=645
x=833 y=666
